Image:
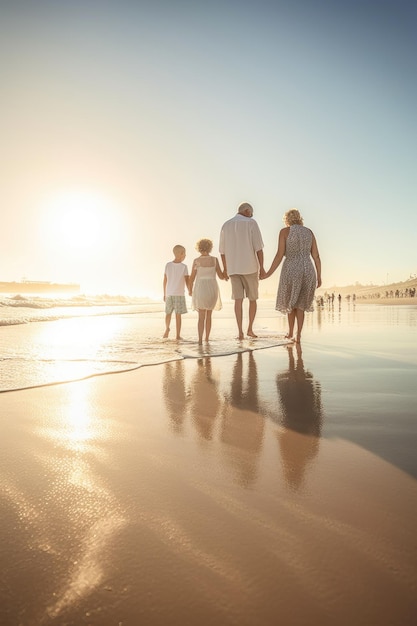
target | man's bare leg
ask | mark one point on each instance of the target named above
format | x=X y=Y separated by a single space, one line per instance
x=239 y=317
x=253 y=307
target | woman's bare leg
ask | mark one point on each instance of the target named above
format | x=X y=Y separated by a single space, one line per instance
x=291 y=322
x=300 y=322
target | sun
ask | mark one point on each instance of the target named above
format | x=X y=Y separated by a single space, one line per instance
x=82 y=236
x=79 y=220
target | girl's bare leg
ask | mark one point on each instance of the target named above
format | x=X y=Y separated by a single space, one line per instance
x=208 y=324
x=200 y=324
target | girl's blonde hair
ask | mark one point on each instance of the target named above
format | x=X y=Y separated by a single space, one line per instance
x=292 y=217
x=204 y=245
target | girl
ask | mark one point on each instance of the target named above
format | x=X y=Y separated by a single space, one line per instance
x=206 y=294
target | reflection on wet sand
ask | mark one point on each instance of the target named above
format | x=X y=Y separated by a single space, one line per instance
x=300 y=403
x=223 y=409
x=243 y=426
x=205 y=401
x=174 y=394
x=230 y=410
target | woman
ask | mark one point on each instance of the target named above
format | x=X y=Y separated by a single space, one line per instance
x=298 y=279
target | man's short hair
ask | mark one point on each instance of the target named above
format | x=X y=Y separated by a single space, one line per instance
x=245 y=206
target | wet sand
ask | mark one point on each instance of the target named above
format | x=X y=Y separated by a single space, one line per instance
x=263 y=488
x=389 y=301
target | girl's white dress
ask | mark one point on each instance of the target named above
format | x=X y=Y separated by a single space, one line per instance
x=206 y=293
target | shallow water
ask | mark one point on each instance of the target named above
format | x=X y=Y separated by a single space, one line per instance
x=73 y=342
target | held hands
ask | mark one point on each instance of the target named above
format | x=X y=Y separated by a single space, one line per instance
x=263 y=274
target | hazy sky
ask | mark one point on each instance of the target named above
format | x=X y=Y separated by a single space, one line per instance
x=131 y=126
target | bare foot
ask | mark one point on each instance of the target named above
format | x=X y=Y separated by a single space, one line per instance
x=166 y=333
x=252 y=334
x=179 y=338
x=288 y=336
x=240 y=337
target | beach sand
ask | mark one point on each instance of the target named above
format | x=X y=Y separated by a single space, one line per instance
x=255 y=489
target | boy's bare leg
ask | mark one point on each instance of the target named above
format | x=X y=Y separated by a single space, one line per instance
x=178 y=325
x=252 y=312
x=167 y=323
x=239 y=317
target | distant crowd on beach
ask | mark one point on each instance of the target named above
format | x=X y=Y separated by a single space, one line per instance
x=330 y=298
x=409 y=292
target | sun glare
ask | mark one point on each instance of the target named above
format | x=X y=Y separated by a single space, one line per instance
x=79 y=221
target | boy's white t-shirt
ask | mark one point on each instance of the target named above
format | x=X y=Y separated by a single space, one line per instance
x=175 y=273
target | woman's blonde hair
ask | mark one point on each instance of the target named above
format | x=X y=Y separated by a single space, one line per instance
x=292 y=217
x=204 y=245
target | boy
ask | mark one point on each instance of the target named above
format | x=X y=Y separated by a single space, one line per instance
x=176 y=279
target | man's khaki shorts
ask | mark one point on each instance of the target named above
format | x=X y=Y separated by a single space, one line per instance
x=244 y=285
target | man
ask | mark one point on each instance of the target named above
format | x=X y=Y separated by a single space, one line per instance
x=241 y=250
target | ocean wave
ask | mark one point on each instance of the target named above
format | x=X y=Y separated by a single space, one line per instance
x=22 y=310
x=47 y=372
x=40 y=302
x=83 y=369
x=191 y=350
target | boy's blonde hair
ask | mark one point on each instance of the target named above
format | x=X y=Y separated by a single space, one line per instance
x=292 y=217
x=177 y=250
x=204 y=245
